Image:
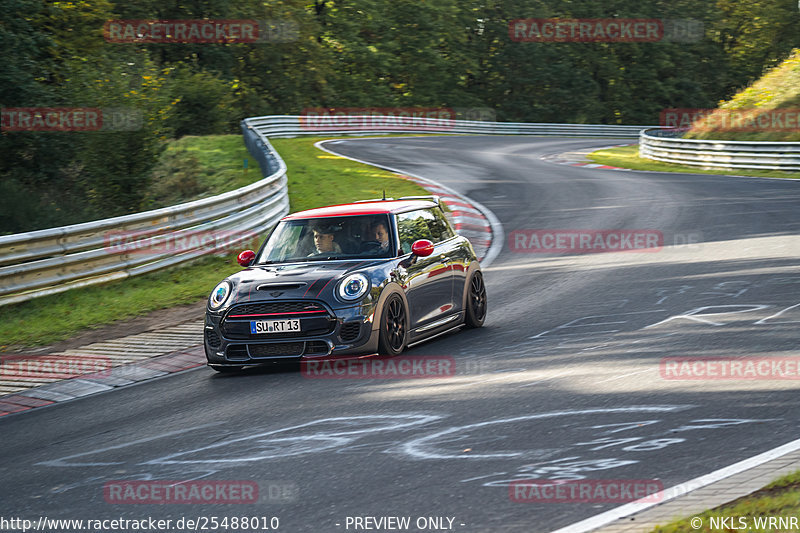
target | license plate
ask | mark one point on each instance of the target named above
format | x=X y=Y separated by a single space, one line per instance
x=274 y=326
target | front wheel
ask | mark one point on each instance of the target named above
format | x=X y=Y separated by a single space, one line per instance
x=476 y=302
x=392 y=337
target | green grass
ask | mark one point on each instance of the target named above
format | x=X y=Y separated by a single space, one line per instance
x=628 y=157
x=780 y=498
x=315 y=179
x=318 y=178
x=197 y=167
x=778 y=89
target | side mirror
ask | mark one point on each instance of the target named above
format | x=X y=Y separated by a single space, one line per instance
x=246 y=258
x=422 y=248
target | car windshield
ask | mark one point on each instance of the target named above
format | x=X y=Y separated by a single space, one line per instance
x=320 y=239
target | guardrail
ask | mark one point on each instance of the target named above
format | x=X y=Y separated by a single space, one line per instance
x=668 y=146
x=43 y=262
x=294 y=125
x=38 y=263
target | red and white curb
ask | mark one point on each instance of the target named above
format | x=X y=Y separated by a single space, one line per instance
x=470 y=219
x=467 y=220
x=31 y=381
x=578 y=158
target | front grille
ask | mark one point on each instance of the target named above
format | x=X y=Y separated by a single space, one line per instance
x=212 y=338
x=314 y=319
x=237 y=352
x=244 y=352
x=277 y=349
x=316 y=348
x=262 y=308
x=349 y=331
x=240 y=329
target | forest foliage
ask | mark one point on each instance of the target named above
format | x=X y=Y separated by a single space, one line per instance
x=341 y=53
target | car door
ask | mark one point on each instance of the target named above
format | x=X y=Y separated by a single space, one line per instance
x=453 y=252
x=428 y=281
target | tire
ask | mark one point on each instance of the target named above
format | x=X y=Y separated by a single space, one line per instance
x=394 y=327
x=226 y=369
x=476 y=301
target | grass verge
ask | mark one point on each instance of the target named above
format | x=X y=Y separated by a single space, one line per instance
x=779 y=498
x=628 y=157
x=196 y=167
x=315 y=179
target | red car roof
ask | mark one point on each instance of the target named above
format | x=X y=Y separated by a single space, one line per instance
x=380 y=207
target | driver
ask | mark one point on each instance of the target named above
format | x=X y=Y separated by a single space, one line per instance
x=379 y=233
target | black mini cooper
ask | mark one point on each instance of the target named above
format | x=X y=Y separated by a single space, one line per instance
x=362 y=278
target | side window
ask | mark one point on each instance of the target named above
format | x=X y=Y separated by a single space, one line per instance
x=440 y=229
x=413 y=226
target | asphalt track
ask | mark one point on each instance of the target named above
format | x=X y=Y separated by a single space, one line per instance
x=565 y=381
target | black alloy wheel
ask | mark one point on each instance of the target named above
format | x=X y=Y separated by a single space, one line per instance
x=476 y=302
x=392 y=339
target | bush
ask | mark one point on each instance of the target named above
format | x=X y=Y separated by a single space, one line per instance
x=202 y=104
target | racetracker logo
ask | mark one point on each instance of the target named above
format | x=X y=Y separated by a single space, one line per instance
x=70 y=119
x=200 y=31
x=722 y=368
x=577 y=241
x=178 y=242
x=181 y=492
x=554 y=30
x=585 y=490
x=52 y=367
x=378 y=119
x=380 y=367
x=784 y=120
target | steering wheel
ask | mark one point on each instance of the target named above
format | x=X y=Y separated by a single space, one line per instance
x=371 y=246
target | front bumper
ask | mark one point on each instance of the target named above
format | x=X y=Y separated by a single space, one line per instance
x=348 y=330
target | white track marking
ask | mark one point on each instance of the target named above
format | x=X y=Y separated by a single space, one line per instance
x=61 y=461
x=671 y=493
x=776 y=315
x=695 y=314
x=625 y=375
x=268 y=445
x=416 y=448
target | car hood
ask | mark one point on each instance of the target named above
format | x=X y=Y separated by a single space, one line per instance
x=293 y=280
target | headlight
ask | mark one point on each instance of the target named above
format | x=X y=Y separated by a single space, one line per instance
x=353 y=287
x=219 y=295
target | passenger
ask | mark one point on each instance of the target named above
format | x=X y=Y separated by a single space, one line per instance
x=324 y=243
